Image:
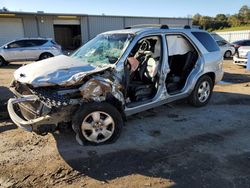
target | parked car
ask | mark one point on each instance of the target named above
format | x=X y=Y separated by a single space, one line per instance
x=240 y=43
x=227 y=49
x=28 y=49
x=241 y=57
x=116 y=74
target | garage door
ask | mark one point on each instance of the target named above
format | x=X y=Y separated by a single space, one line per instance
x=10 y=29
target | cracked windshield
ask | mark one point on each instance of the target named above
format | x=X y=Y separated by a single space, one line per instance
x=104 y=49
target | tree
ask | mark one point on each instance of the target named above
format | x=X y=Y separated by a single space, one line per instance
x=244 y=14
x=206 y=22
x=234 y=20
x=221 y=17
x=196 y=19
x=4 y=9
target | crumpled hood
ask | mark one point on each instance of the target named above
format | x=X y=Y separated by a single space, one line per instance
x=60 y=70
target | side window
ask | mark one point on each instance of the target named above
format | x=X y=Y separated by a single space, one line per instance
x=39 y=42
x=29 y=43
x=221 y=43
x=207 y=41
x=145 y=57
x=178 y=45
x=17 y=44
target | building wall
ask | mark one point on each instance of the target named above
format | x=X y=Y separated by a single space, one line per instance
x=99 y=24
x=176 y=22
x=42 y=26
x=30 y=26
x=135 y=21
x=84 y=29
x=45 y=26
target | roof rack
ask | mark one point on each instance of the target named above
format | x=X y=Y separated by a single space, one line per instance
x=148 y=25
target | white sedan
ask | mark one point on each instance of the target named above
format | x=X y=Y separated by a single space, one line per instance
x=241 y=59
x=226 y=48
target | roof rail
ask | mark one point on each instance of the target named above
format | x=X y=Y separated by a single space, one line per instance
x=187 y=27
x=147 y=25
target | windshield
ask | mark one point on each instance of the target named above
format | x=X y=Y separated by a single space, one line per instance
x=104 y=49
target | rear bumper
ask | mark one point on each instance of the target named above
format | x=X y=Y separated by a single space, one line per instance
x=29 y=125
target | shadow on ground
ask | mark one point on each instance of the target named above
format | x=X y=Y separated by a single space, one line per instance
x=12 y=66
x=175 y=160
x=236 y=78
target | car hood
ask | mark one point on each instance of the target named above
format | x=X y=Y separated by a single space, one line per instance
x=60 y=70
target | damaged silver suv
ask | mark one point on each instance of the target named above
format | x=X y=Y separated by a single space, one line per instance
x=116 y=74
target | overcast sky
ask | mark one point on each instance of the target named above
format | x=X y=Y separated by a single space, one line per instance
x=161 y=8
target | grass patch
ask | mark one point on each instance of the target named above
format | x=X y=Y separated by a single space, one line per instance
x=238 y=28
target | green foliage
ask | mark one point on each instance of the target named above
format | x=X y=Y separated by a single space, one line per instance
x=222 y=21
x=237 y=28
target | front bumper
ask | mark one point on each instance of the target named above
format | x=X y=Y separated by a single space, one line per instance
x=29 y=125
x=240 y=61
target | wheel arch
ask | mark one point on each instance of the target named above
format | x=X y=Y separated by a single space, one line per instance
x=211 y=75
x=45 y=52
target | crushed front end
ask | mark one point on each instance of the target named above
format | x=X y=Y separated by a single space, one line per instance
x=40 y=109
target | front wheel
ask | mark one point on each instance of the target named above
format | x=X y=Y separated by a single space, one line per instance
x=202 y=92
x=97 y=123
x=2 y=61
x=228 y=54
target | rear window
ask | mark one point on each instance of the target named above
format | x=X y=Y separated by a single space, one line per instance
x=207 y=41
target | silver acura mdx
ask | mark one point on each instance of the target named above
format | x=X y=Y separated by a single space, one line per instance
x=29 y=49
x=116 y=74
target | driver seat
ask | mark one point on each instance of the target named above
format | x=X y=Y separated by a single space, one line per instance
x=143 y=88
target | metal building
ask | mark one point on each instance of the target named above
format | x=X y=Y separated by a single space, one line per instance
x=70 y=30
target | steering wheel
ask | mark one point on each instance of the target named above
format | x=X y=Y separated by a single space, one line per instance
x=145 y=46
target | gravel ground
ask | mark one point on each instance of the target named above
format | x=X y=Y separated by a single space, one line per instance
x=174 y=145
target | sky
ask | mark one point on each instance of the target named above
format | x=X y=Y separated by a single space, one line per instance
x=154 y=8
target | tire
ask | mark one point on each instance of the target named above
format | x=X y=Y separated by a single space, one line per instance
x=2 y=61
x=228 y=54
x=202 y=92
x=89 y=124
x=45 y=55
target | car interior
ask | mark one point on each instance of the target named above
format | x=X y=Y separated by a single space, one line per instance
x=182 y=57
x=142 y=70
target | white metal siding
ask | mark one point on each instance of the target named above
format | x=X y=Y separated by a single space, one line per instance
x=30 y=27
x=45 y=25
x=129 y=21
x=232 y=36
x=84 y=30
x=101 y=24
x=175 y=22
x=10 y=29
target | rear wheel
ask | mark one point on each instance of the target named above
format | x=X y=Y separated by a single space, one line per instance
x=202 y=92
x=45 y=56
x=97 y=123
